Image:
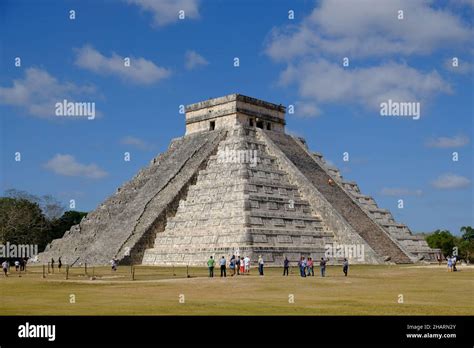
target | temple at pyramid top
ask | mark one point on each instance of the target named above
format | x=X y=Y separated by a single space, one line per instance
x=234 y=109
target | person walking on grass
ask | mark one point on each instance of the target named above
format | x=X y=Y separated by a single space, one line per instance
x=222 y=263
x=17 y=265
x=286 y=266
x=237 y=264
x=5 y=268
x=310 y=267
x=242 y=265
x=114 y=264
x=210 y=265
x=345 y=267
x=302 y=265
x=52 y=265
x=232 y=265
x=450 y=264
x=322 y=265
x=260 y=265
x=59 y=264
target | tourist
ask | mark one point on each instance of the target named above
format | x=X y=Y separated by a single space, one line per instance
x=222 y=263
x=5 y=267
x=17 y=265
x=242 y=265
x=232 y=265
x=302 y=265
x=52 y=265
x=59 y=264
x=286 y=266
x=114 y=264
x=345 y=267
x=310 y=267
x=260 y=265
x=455 y=260
x=450 y=264
x=322 y=265
x=238 y=264
x=247 y=264
x=210 y=265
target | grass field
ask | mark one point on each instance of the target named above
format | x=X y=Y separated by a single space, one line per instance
x=368 y=290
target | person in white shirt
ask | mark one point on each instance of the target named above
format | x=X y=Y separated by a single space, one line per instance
x=222 y=263
x=5 y=268
x=247 y=264
x=260 y=265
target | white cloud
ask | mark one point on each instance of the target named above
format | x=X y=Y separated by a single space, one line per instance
x=306 y=109
x=386 y=191
x=68 y=166
x=325 y=82
x=377 y=44
x=166 y=11
x=38 y=92
x=366 y=28
x=194 y=60
x=451 y=181
x=140 y=71
x=448 y=142
x=135 y=142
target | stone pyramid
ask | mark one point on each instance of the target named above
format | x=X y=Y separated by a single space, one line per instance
x=236 y=183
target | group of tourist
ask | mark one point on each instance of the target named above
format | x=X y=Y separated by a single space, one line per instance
x=238 y=265
x=306 y=266
x=241 y=265
x=452 y=260
x=20 y=266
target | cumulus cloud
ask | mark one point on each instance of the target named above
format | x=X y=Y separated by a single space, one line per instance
x=451 y=181
x=135 y=142
x=306 y=109
x=67 y=165
x=326 y=82
x=166 y=11
x=38 y=92
x=194 y=60
x=387 y=191
x=448 y=142
x=140 y=71
x=367 y=32
x=369 y=28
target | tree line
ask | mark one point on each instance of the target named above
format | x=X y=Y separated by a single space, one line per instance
x=30 y=219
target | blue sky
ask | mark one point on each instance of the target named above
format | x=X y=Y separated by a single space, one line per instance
x=289 y=61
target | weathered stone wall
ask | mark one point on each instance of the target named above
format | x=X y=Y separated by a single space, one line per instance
x=124 y=225
x=241 y=208
x=342 y=230
x=379 y=240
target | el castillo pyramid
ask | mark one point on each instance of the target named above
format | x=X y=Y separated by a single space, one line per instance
x=236 y=183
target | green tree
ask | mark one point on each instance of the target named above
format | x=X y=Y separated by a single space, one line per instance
x=22 y=222
x=64 y=223
x=442 y=239
x=466 y=244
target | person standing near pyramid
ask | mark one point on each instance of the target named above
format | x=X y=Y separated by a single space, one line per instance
x=222 y=263
x=210 y=265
